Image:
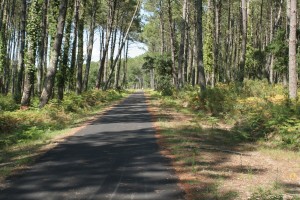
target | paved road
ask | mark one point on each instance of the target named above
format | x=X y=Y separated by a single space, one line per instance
x=114 y=158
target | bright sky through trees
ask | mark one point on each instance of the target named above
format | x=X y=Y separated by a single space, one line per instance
x=135 y=48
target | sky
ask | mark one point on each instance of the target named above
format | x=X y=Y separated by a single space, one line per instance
x=135 y=48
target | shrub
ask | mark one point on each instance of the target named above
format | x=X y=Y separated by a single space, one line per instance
x=262 y=194
x=22 y=125
x=164 y=86
x=7 y=103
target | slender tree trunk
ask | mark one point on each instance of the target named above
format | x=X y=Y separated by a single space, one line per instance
x=61 y=78
x=182 y=43
x=90 y=45
x=244 y=42
x=186 y=53
x=199 y=49
x=74 y=45
x=22 y=52
x=32 y=32
x=3 y=50
x=125 y=65
x=55 y=53
x=162 y=27
x=292 y=51
x=173 y=46
x=122 y=45
x=117 y=74
x=41 y=50
x=80 y=48
x=110 y=21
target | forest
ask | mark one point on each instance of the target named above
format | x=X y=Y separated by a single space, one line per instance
x=231 y=64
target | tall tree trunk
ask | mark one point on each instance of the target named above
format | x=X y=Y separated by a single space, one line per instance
x=62 y=74
x=110 y=21
x=32 y=32
x=182 y=43
x=217 y=18
x=3 y=50
x=122 y=45
x=21 y=64
x=41 y=50
x=173 y=45
x=117 y=73
x=90 y=45
x=55 y=53
x=199 y=48
x=162 y=27
x=292 y=50
x=74 y=45
x=124 y=82
x=244 y=42
x=80 y=48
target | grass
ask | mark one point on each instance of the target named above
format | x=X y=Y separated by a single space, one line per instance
x=197 y=137
x=25 y=134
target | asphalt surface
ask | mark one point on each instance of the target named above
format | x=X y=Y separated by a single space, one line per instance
x=114 y=158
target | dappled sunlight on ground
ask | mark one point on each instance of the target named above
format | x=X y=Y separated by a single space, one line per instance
x=214 y=163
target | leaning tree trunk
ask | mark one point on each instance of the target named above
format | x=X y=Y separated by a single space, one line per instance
x=292 y=51
x=122 y=45
x=55 y=53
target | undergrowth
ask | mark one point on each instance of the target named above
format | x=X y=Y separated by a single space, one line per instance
x=257 y=111
x=18 y=126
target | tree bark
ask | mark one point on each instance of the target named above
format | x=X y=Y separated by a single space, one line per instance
x=110 y=21
x=90 y=45
x=61 y=78
x=173 y=46
x=199 y=48
x=124 y=82
x=162 y=28
x=122 y=45
x=32 y=29
x=182 y=43
x=17 y=95
x=80 y=48
x=292 y=51
x=41 y=50
x=244 y=42
x=74 y=45
x=55 y=53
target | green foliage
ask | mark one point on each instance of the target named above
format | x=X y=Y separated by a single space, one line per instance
x=52 y=17
x=279 y=48
x=213 y=100
x=257 y=111
x=208 y=43
x=163 y=64
x=24 y=125
x=262 y=194
x=163 y=67
x=7 y=103
x=255 y=62
x=165 y=86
